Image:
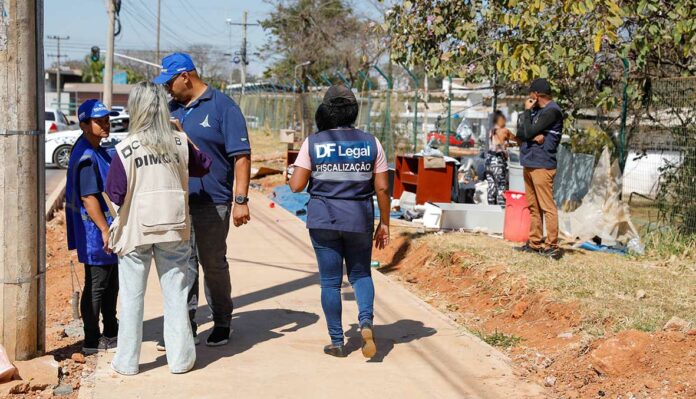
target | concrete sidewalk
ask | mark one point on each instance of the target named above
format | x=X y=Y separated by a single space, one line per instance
x=279 y=331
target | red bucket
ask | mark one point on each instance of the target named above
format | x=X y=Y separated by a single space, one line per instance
x=517 y=219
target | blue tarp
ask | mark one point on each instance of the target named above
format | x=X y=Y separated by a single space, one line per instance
x=296 y=203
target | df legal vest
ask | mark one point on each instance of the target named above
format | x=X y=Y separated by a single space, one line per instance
x=342 y=181
x=543 y=156
x=83 y=233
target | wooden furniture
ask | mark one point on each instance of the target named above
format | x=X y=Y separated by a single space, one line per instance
x=429 y=185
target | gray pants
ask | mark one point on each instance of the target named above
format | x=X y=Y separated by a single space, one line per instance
x=210 y=225
x=171 y=261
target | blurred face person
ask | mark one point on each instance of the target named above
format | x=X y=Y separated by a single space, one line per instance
x=500 y=121
x=97 y=127
x=180 y=87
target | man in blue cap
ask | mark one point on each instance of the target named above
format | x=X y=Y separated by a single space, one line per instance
x=88 y=220
x=214 y=123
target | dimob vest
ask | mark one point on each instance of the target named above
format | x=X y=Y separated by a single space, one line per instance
x=155 y=208
x=533 y=155
x=342 y=181
x=83 y=233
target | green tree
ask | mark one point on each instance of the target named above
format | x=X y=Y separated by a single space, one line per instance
x=579 y=45
x=324 y=32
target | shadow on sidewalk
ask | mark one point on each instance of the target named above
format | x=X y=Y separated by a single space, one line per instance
x=249 y=329
x=400 y=332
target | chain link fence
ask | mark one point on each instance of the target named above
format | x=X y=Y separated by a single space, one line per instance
x=660 y=173
x=388 y=116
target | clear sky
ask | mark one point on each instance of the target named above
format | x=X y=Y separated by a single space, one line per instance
x=183 y=23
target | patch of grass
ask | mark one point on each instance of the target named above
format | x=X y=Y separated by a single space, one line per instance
x=603 y=285
x=265 y=143
x=498 y=339
x=667 y=243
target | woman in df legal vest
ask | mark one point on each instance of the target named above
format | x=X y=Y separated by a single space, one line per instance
x=344 y=167
x=148 y=180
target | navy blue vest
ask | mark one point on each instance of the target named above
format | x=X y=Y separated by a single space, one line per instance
x=83 y=233
x=543 y=156
x=342 y=182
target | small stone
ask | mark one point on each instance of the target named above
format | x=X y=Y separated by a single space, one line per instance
x=565 y=335
x=691 y=332
x=519 y=309
x=549 y=381
x=640 y=294
x=677 y=324
x=78 y=358
x=20 y=388
x=651 y=384
x=62 y=390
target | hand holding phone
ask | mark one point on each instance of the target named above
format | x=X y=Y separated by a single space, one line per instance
x=530 y=103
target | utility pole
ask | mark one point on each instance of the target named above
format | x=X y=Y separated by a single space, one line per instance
x=243 y=51
x=58 y=57
x=109 y=61
x=159 y=5
x=22 y=230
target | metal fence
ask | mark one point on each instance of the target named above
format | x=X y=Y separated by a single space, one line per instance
x=660 y=173
x=388 y=117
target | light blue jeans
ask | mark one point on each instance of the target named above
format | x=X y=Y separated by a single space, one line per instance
x=171 y=260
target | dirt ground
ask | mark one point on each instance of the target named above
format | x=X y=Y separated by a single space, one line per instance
x=63 y=334
x=548 y=338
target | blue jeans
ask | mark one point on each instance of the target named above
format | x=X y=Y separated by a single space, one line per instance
x=171 y=260
x=332 y=247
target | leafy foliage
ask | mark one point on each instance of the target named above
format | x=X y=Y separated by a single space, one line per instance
x=324 y=32
x=578 y=45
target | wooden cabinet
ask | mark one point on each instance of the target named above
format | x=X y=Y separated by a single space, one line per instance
x=429 y=185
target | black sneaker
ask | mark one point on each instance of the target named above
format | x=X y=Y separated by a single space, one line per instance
x=553 y=253
x=337 y=350
x=107 y=344
x=90 y=349
x=369 y=349
x=160 y=344
x=220 y=336
x=527 y=248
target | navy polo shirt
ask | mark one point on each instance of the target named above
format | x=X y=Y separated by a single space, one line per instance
x=216 y=125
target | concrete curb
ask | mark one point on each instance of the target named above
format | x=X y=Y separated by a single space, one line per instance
x=54 y=201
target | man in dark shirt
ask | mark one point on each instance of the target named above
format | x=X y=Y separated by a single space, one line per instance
x=215 y=124
x=539 y=133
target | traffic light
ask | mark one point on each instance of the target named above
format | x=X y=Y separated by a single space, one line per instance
x=95 y=54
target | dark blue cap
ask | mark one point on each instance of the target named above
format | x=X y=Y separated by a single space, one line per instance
x=172 y=65
x=93 y=108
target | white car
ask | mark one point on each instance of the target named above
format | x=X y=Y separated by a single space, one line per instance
x=59 y=145
x=56 y=121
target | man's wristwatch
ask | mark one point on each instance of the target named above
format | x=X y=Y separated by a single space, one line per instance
x=241 y=199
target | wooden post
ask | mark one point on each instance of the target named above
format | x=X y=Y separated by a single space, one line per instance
x=22 y=232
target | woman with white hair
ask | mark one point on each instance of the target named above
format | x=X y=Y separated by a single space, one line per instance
x=148 y=180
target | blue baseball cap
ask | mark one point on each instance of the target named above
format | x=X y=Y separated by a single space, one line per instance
x=172 y=65
x=93 y=108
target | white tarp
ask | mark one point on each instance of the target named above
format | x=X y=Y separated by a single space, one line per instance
x=642 y=171
x=602 y=213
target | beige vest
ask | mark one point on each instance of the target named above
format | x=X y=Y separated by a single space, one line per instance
x=155 y=208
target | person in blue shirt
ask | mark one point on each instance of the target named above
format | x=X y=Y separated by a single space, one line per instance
x=88 y=220
x=215 y=124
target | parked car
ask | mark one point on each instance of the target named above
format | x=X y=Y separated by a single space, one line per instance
x=59 y=145
x=56 y=121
